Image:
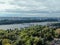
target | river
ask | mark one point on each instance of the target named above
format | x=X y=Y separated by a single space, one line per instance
x=22 y=25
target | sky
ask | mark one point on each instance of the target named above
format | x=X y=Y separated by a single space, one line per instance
x=29 y=8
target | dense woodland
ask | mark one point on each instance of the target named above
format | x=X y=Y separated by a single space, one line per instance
x=28 y=20
x=33 y=35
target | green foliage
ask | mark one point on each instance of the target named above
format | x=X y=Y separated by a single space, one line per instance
x=34 y=35
x=5 y=42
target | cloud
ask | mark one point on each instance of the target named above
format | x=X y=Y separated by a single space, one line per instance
x=29 y=7
x=23 y=5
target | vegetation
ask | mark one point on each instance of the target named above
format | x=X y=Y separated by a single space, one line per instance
x=16 y=20
x=34 y=35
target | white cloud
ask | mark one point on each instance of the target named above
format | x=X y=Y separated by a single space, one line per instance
x=24 y=5
x=29 y=5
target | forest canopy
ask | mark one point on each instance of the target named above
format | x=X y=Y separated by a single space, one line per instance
x=33 y=35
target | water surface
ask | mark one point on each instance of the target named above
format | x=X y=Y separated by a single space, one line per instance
x=13 y=26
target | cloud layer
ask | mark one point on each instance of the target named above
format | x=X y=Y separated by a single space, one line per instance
x=29 y=6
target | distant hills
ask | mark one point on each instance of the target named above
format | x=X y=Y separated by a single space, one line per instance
x=15 y=20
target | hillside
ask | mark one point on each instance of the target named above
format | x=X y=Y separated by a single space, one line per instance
x=34 y=35
x=16 y=20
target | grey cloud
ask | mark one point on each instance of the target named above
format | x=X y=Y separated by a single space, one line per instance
x=2 y=2
x=31 y=4
x=35 y=5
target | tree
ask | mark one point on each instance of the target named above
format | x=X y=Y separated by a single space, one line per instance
x=6 y=42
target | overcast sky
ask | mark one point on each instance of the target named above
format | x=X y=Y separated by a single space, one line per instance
x=30 y=8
